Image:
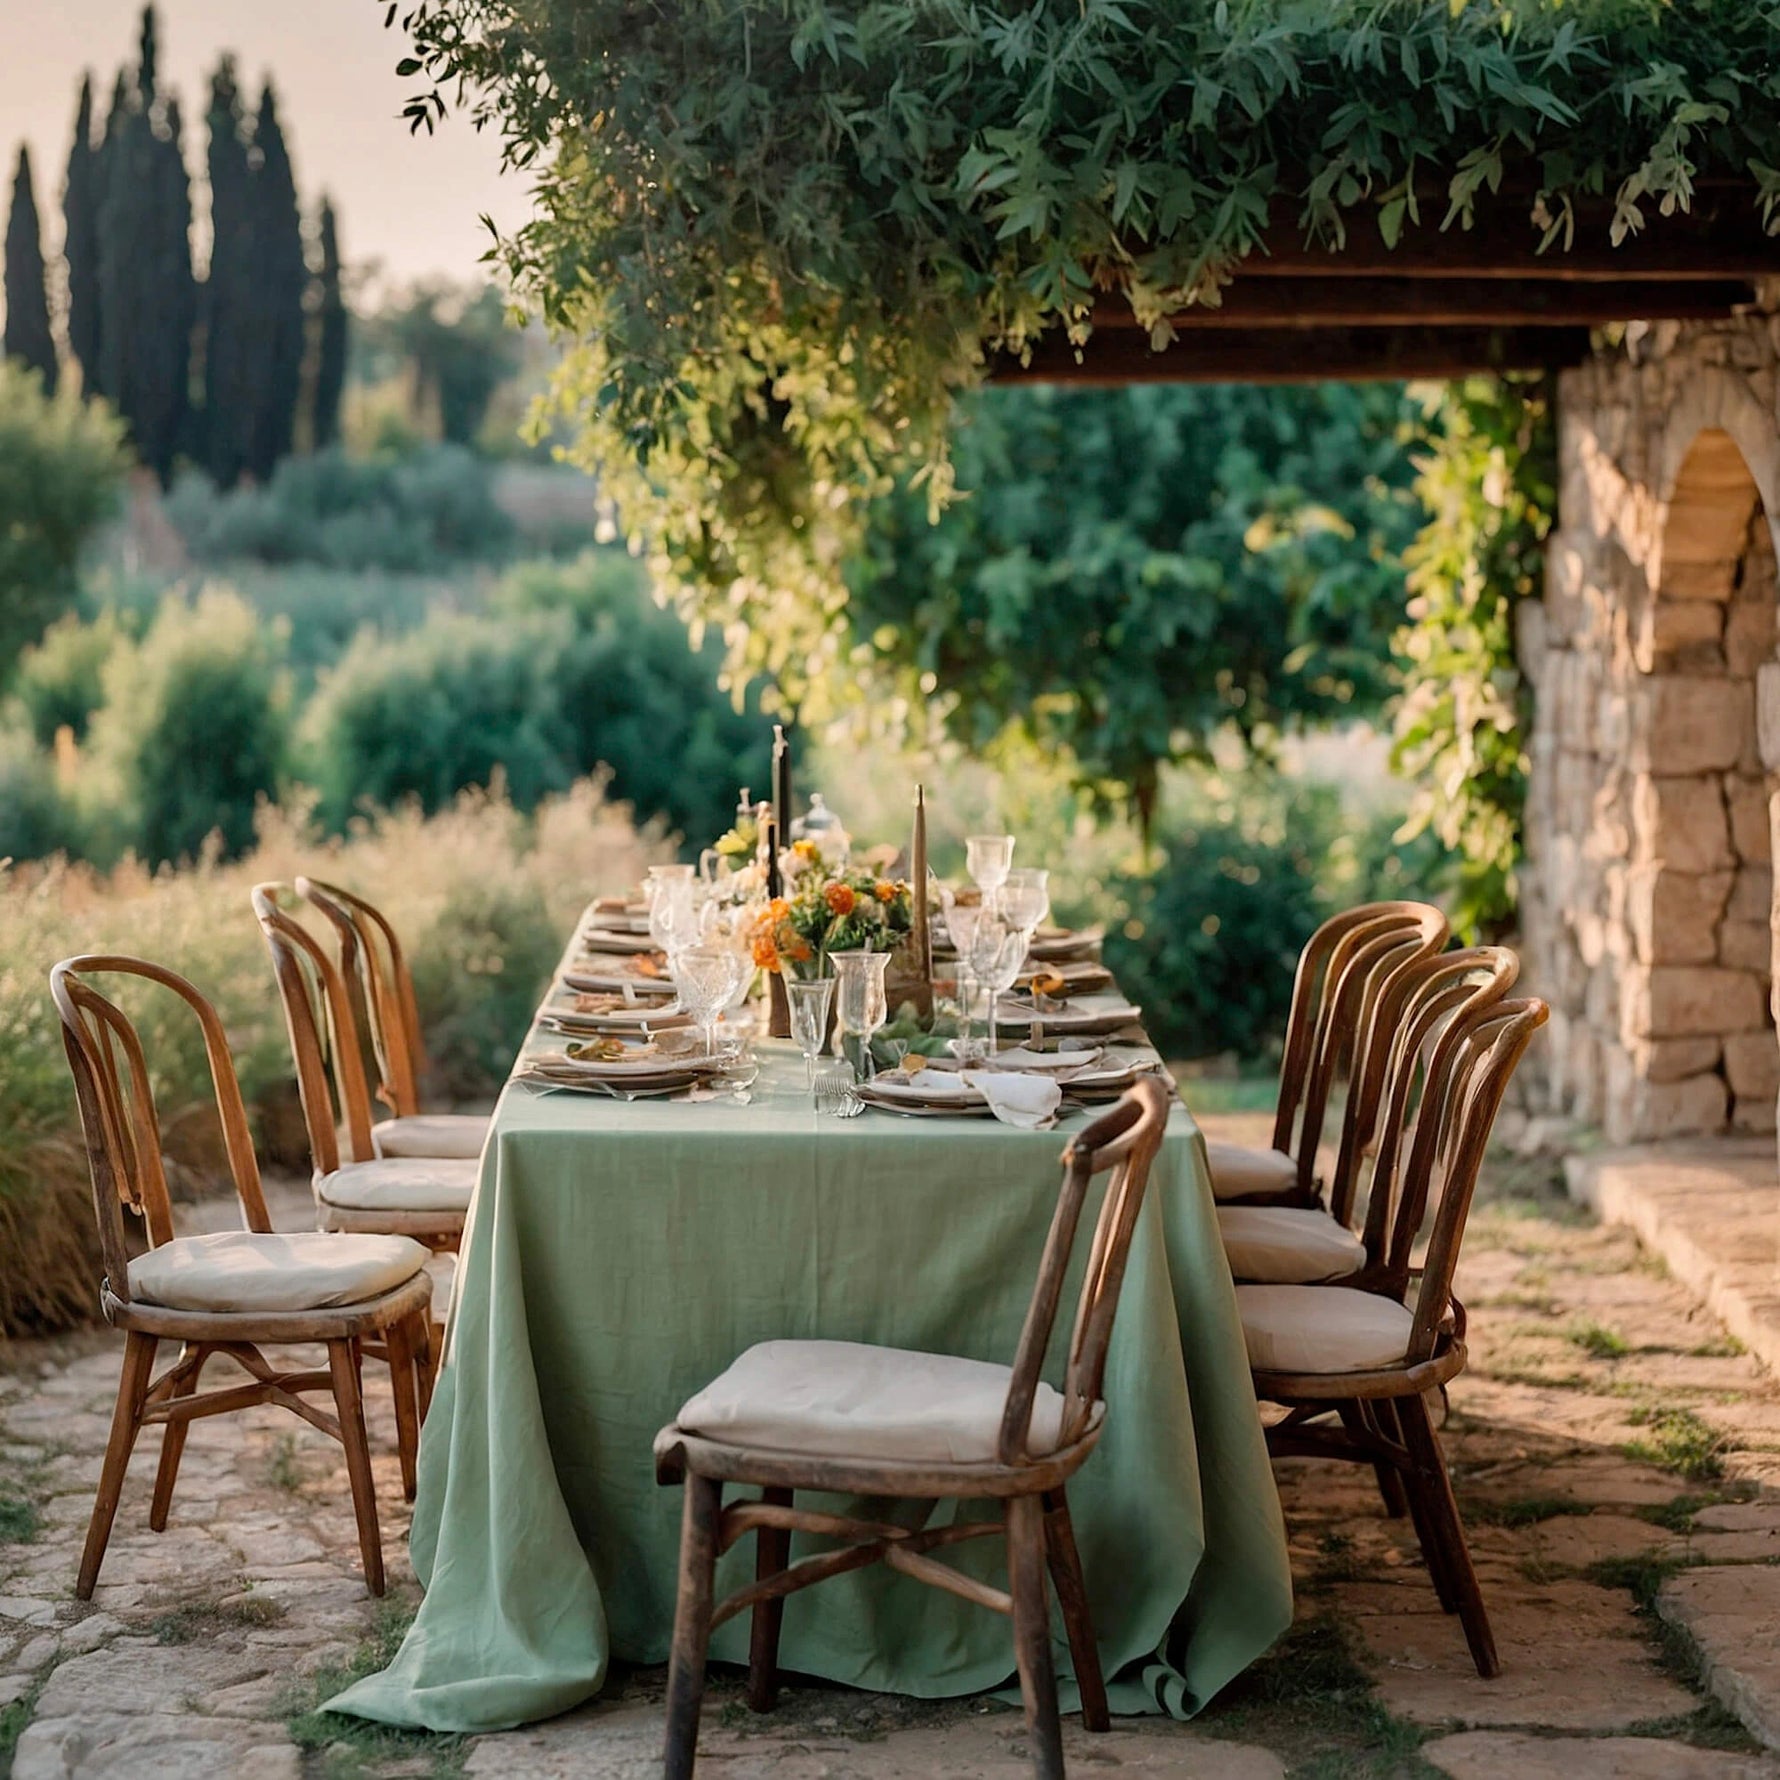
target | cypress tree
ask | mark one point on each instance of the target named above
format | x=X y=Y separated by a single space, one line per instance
x=281 y=283
x=28 y=338
x=330 y=361
x=101 y=165
x=229 y=354
x=147 y=298
x=80 y=241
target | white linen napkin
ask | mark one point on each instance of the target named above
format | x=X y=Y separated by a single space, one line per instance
x=1029 y=1101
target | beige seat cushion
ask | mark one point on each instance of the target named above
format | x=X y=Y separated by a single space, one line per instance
x=404 y=1183
x=1283 y=1245
x=846 y=1400
x=432 y=1134
x=241 y=1271
x=1321 y=1328
x=1237 y=1172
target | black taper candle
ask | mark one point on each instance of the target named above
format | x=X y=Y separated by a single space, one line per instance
x=782 y=784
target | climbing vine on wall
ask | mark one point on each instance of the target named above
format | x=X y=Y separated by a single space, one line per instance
x=1487 y=476
x=783 y=233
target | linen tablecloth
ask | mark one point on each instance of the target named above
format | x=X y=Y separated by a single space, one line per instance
x=621 y=1254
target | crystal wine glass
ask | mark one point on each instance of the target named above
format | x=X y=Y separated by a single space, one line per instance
x=810 y=999
x=1026 y=899
x=997 y=950
x=706 y=976
x=860 y=1001
x=961 y=921
x=989 y=857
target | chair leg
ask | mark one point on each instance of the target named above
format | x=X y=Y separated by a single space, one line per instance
x=1078 y=1619
x=1032 y=1634
x=1429 y=1479
x=400 y=1340
x=1362 y=1430
x=349 y=1402
x=771 y=1554
x=692 y=1623
x=172 y=1448
x=1426 y=1525
x=126 y=1419
x=426 y=1360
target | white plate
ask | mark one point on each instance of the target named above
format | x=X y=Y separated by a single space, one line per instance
x=618 y=1068
x=908 y=1109
x=1086 y=1014
x=573 y=1025
x=598 y=939
x=930 y=1088
x=606 y=982
x=1029 y=1062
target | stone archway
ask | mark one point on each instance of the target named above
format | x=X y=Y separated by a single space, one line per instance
x=1648 y=896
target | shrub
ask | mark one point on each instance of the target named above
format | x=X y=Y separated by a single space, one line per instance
x=482 y=896
x=420 y=512
x=61 y=680
x=634 y=694
x=1209 y=941
x=193 y=729
x=61 y=470
x=35 y=818
x=445 y=707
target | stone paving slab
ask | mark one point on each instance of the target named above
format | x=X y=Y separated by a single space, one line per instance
x=1514 y=1755
x=623 y=1742
x=1732 y=1614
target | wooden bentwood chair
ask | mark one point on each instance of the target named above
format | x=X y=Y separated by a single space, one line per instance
x=788 y=1416
x=231 y=1292
x=426 y=1197
x=1332 y=998
x=372 y=955
x=1368 y=1355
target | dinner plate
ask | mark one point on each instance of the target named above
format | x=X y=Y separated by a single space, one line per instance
x=600 y=939
x=1090 y=1015
x=910 y=1109
x=604 y=981
x=617 y=1025
x=617 y=1069
x=1053 y=944
x=939 y=1090
x=1032 y=1062
x=1080 y=977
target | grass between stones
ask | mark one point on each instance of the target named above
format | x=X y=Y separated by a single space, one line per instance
x=1678 y=1440
x=13 y=1720
x=348 y=1748
x=188 y=1623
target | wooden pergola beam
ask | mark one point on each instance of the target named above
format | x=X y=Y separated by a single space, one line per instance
x=1283 y=355
x=1303 y=301
x=1720 y=237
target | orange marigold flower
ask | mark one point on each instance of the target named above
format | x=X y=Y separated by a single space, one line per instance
x=778 y=908
x=801 y=952
x=766 y=954
x=884 y=890
x=840 y=898
x=804 y=849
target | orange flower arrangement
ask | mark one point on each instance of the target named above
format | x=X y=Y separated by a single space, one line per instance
x=840 y=899
x=796 y=933
x=884 y=890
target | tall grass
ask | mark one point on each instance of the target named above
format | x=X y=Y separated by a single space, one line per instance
x=482 y=895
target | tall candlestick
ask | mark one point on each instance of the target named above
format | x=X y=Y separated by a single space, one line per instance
x=921 y=932
x=782 y=784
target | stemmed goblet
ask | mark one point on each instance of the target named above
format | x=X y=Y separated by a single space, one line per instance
x=810 y=999
x=997 y=950
x=989 y=857
x=860 y=1001
x=707 y=976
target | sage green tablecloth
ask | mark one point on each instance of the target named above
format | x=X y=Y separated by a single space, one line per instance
x=620 y=1254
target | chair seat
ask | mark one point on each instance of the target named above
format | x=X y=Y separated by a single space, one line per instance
x=455 y=1135
x=1238 y=1172
x=1322 y=1329
x=1286 y=1245
x=846 y=1400
x=401 y=1183
x=234 y=1271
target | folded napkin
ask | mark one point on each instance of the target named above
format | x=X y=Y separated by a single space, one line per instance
x=1029 y=1101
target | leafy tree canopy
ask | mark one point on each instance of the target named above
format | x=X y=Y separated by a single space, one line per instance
x=1132 y=571
x=784 y=231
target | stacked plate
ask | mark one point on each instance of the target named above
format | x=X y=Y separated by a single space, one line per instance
x=640 y=1068
x=1092 y=1015
x=583 y=1016
x=928 y=1094
x=642 y=973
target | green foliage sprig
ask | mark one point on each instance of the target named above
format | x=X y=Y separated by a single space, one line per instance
x=784 y=232
x=1488 y=478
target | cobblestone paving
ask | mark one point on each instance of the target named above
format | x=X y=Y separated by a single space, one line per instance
x=1617 y=1455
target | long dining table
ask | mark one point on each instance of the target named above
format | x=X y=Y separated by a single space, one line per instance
x=620 y=1253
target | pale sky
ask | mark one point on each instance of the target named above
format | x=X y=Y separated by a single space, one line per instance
x=411 y=203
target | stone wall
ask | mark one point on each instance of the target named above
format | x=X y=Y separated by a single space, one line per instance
x=1647 y=901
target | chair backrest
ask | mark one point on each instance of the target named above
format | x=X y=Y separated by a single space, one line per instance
x=371 y=953
x=118 y=1121
x=1495 y=1039
x=1413 y=987
x=1312 y=984
x=1121 y=1143
x=324 y=1036
x=1356 y=966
